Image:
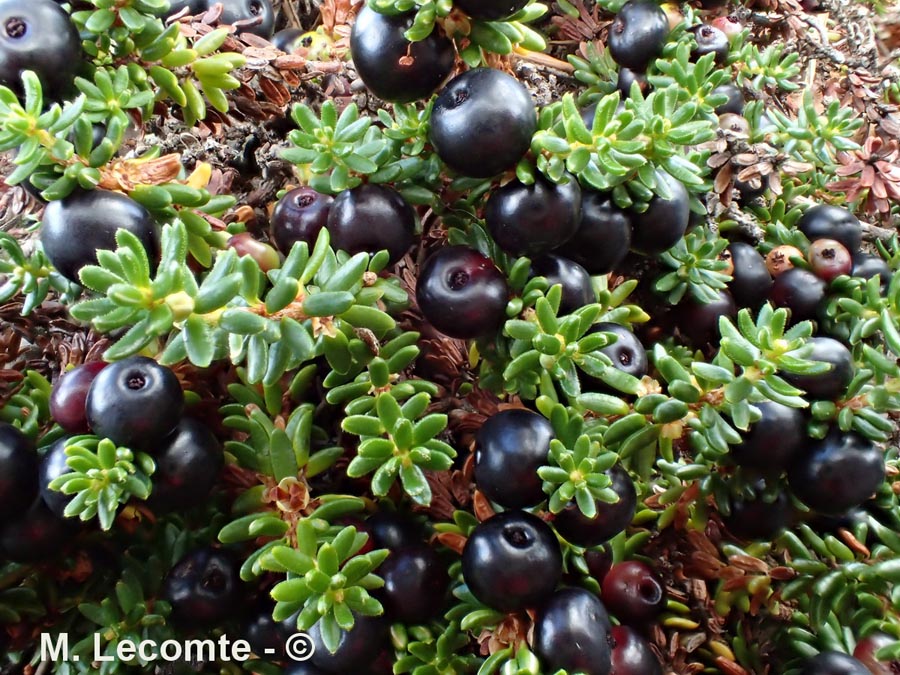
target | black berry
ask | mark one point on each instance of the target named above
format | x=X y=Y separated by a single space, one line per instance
x=511 y=446
x=135 y=403
x=53 y=465
x=461 y=293
x=699 y=322
x=35 y=536
x=188 y=462
x=482 y=122
x=834 y=663
x=203 y=588
x=631 y=654
x=602 y=240
x=570 y=633
x=18 y=472
x=356 y=649
x=392 y=67
x=831 y=384
x=771 y=442
x=512 y=561
x=735 y=102
x=533 y=219
x=393 y=531
x=759 y=519
x=415 y=584
x=371 y=218
x=831 y=222
x=710 y=40
x=633 y=593
x=611 y=519
x=799 y=291
x=490 y=10
x=638 y=34
x=577 y=290
x=68 y=396
x=254 y=16
x=299 y=216
x=751 y=280
x=664 y=222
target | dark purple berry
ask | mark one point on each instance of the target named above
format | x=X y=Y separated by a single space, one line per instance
x=38 y=35
x=751 y=280
x=710 y=40
x=837 y=473
x=571 y=633
x=203 y=588
x=532 y=220
x=772 y=441
x=799 y=291
x=482 y=123
x=831 y=222
x=265 y=635
x=18 y=473
x=462 y=293
x=602 y=240
x=135 y=403
x=299 y=216
x=699 y=322
x=511 y=446
x=664 y=222
x=188 y=462
x=626 y=352
x=512 y=561
x=577 y=290
x=356 y=649
x=637 y=34
x=53 y=465
x=370 y=218
x=250 y=16
x=866 y=266
x=834 y=663
x=633 y=593
x=35 y=536
x=735 y=102
x=758 y=519
x=393 y=531
x=392 y=67
x=626 y=79
x=68 y=397
x=490 y=10
x=288 y=39
x=415 y=584
x=611 y=519
x=831 y=384
x=631 y=654
x=75 y=228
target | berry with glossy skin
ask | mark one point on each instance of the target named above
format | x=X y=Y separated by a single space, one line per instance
x=53 y=465
x=511 y=446
x=631 y=654
x=462 y=293
x=758 y=519
x=837 y=473
x=512 y=561
x=490 y=10
x=834 y=663
x=626 y=78
x=356 y=649
x=74 y=228
x=699 y=323
x=735 y=102
x=371 y=218
x=532 y=220
x=603 y=238
x=264 y=633
x=710 y=40
x=570 y=633
x=778 y=260
x=627 y=352
x=265 y=256
x=829 y=259
x=638 y=34
x=392 y=67
x=393 y=531
x=750 y=278
x=482 y=123
x=633 y=593
x=68 y=397
x=664 y=222
x=867 y=266
x=18 y=472
x=36 y=535
x=798 y=290
x=831 y=384
x=188 y=462
x=299 y=216
x=415 y=584
x=260 y=12
x=203 y=588
x=134 y=402
x=772 y=441
x=611 y=519
x=38 y=35
x=867 y=648
x=831 y=222
x=577 y=290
